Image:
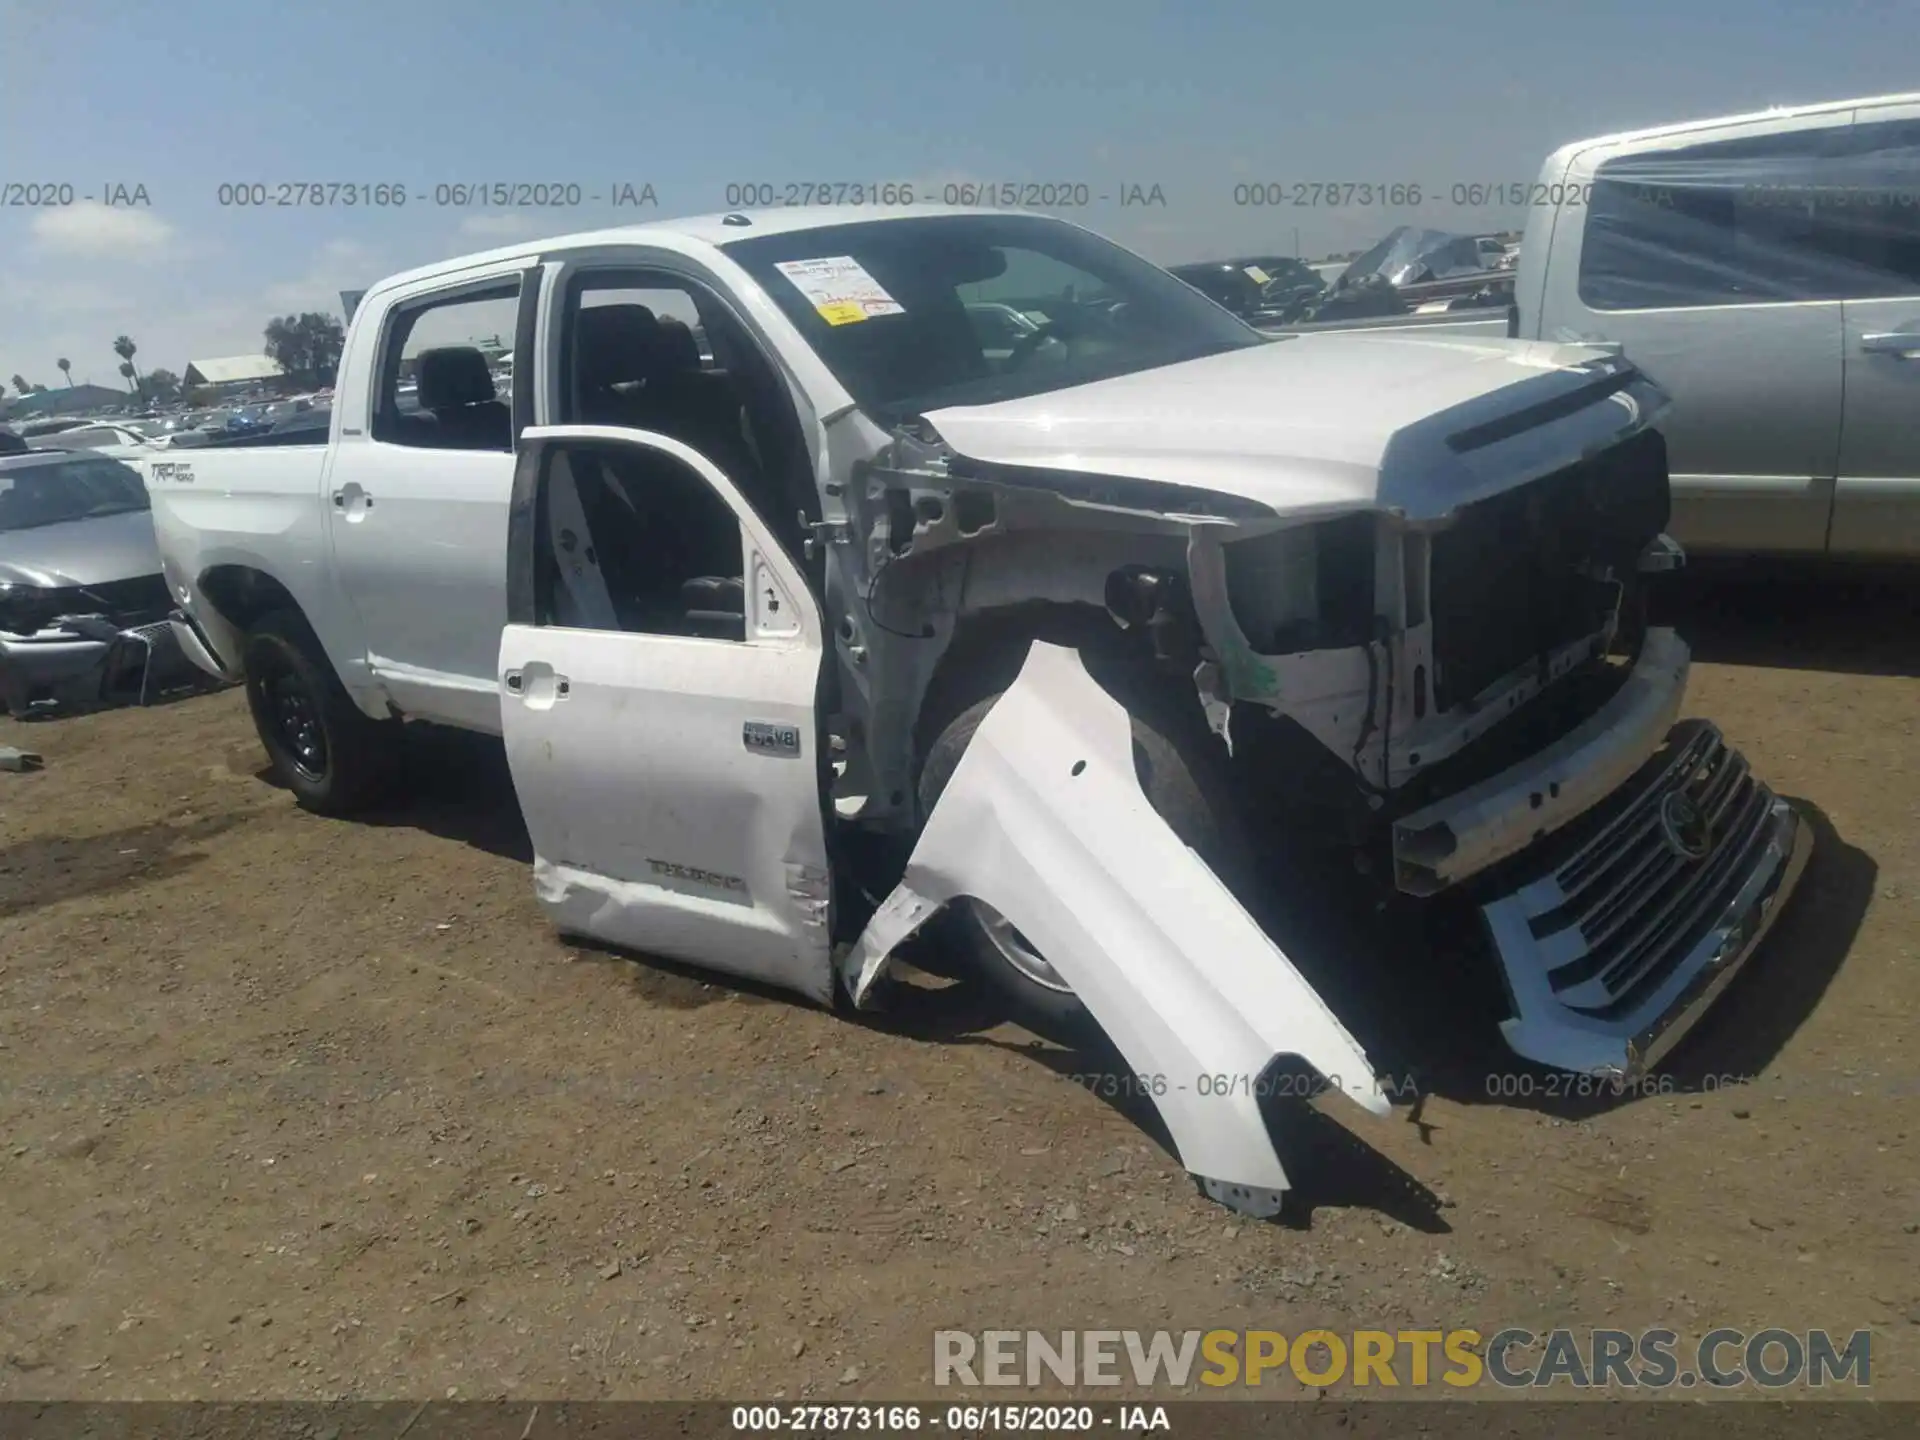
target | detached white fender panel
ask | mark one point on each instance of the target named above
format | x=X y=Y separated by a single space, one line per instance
x=1044 y=819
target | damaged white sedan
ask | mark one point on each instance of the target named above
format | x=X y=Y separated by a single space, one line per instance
x=814 y=604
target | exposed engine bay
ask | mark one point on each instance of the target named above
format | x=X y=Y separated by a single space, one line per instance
x=1348 y=662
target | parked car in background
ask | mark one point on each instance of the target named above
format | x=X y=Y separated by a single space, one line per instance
x=1238 y=287
x=1346 y=299
x=1765 y=270
x=37 y=429
x=12 y=444
x=83 y=607
x=119 y=439
x=1416 y=255
x=1288 y=284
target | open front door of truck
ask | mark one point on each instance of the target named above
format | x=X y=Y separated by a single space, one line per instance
x=658 y=678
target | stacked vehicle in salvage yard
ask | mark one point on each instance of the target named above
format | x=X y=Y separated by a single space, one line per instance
x=830 y=628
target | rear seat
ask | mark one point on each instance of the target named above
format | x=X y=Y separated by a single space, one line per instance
x=705 y=404
x=655 y=363
x=614 y=346
x=456 y=388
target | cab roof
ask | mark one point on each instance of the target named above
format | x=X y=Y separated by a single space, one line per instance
x=692 y=234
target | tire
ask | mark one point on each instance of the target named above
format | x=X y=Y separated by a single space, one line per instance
x=1180 y=764
x=333 y=757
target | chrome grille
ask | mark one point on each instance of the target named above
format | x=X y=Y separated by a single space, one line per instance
x=1622 y=922
x=1636 y=904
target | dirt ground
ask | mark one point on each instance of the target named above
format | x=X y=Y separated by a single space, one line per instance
x=296 y=1108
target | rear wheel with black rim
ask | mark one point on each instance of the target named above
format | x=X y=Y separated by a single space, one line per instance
x=334 y=758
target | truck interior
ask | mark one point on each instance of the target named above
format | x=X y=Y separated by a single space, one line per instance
x=458 y=404
x=631 y=361
x=632 y=539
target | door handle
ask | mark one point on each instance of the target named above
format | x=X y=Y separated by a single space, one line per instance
x=1903 y=343
x=340 y=498
x=540 y=692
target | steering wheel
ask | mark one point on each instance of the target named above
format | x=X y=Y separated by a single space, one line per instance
x=1024 y=348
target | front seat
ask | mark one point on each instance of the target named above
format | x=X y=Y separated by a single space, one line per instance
x=456 y=387
x=616 y=349
x=703 y=409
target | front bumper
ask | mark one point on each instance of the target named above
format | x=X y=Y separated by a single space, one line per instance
x=1619 y=936
x=87 y=662
x=1464 y=834
x=48 y=669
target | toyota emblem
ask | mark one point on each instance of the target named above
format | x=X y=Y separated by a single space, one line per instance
x=1683 y=825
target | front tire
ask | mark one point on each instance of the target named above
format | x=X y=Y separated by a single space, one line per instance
x=333 y=757
x=1180 y=765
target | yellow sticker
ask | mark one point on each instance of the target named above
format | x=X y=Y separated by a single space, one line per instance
x=842 y=312
x=1259 y=276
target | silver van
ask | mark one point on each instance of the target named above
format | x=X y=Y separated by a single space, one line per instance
x=1765 y=270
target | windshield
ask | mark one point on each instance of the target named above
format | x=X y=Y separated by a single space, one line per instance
x=54 y=494
x=900 y=309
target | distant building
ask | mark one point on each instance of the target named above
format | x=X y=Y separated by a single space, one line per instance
x=232 y=374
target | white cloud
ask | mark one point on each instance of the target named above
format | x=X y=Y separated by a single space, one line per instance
x=501 y=225
x=337 y=265
x=177 y=312
x=92 y=229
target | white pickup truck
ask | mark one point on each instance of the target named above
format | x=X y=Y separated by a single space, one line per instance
x=813 y=609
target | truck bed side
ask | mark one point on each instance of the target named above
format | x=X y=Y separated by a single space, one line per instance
x=250 y=521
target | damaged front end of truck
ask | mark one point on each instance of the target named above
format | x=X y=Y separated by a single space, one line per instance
x=1424 y=643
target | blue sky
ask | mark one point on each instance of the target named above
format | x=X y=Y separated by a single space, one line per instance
x=1194 y=96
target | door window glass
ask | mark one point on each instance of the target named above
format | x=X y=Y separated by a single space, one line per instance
x=440 y=378
x=1820 y=214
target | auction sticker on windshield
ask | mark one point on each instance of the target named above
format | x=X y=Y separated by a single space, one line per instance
x=840 y=289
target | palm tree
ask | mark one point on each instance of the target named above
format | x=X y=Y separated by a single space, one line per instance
x=66 y=369
x=124 y=348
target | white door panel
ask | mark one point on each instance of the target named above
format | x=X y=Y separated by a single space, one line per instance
x=420 y=539
x=671 y=784
x=656 y=825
